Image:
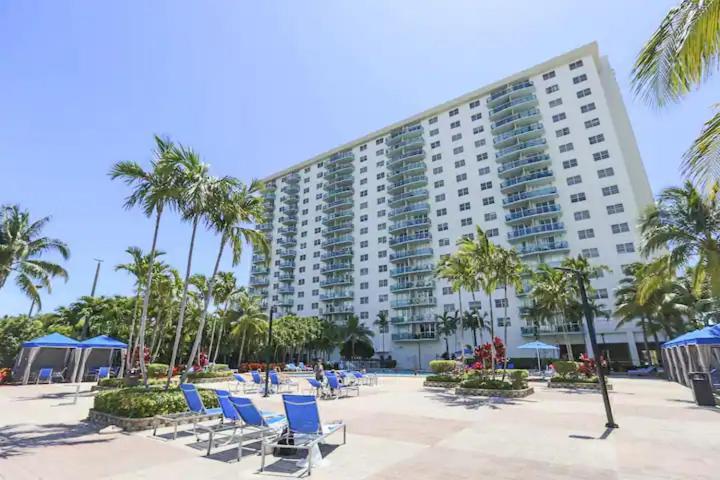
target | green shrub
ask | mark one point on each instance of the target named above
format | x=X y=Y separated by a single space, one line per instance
x=155 y=370
x=210 y=374
x=221 y=367
x=566 y=369
x=518 y=379
x=442 y=366
x=487 y=383
x=138 y=402
x=126 y=382
x=443 y=378
x=574 y=379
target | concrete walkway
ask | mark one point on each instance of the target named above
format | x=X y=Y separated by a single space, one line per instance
x=397 y=430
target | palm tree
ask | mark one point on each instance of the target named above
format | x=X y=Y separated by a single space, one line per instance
x=154 y=190
x=225 y=289
x=355 y=332
x=475 y=321
x=687 y=225
x=232 y=207
x=446 y=326
x=247 y=319
x=383 y=324
x=21 y=247
x=508 y=270
x=457 y=269
x=628 y=306
x=554 y=291
x=680 y=55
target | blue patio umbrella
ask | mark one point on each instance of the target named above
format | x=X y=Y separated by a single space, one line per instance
x=537 y=346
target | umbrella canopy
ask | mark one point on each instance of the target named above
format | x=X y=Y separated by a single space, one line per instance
x=55 y=340
x=537 y=346
x=102 y=341
x=704 y=336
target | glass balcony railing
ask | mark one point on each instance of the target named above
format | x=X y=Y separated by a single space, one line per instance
x=411 y=167
x=405 y=239
x=524 y=147
x=287 y=242
x=289 y=199
x=414 y=302
x=255 y=270
x=526 y=101
x=337 y=193
x=340 y=253
x=416 y=180
x=515 y=120
x=532 y=212
x=338 y=182
x=338 y=171
x=341 y=280
x=288 y=219
x=287 y=265
x=333 y=309
x=414 y=336
x=286 y=276
x=342 y=203
x=525 y=179
x=337 y=295
x=500 y=94
x=258 y=258
x=259 y=281
x=290 y=189
x=530 y=195
x=409 y=196
x=286 y=302
x=420 y=252
x=340 y=228
x=537 y=230
x=530 y=331
x=287 y=290
x=338 y=240
x=336 y=267
x=265 y=227
x=413 y=319
x=532 y=161
x=289 y=210
x=287 y=230
x=340 y=157
x=403 y=156
x=288 y=252
x=543 y=247
x=519 y=133
x=404 y=133
x=331 y=217
x=404 y=286
x=291 y=178
x=414 y=223
x=412 y=270
x=410 y=143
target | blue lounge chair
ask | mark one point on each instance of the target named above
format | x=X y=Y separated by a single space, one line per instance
x=642 y=372
x=316 y=387
x=44 y=375
x=241 y=382
x=196 y=411
x=291 y=367
x=267 y=424
x=278 y=384
x=304 y=427
x=338 y=389
x=103 y=372
x=231 y=420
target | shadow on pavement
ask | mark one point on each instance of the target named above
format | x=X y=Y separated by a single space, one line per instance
x=16 y=440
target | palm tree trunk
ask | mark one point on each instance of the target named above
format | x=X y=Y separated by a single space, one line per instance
x=212 y=339
x=474 y=330
x=505 y=321
x=183 y=304
x=146 y=300
x=131 y=334
x=217 y=344
x=462 y=329
x=242 y=346
x=156 y=330
x=566 y=338
x=657 y=347
x=645 y=340
x=203 y=315
x=492 y=334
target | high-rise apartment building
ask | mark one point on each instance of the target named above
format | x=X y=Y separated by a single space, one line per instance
x=544 y=161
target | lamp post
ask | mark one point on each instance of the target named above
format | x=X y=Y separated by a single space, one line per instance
x=97 y=274
x=269 y=350
x=593 y=342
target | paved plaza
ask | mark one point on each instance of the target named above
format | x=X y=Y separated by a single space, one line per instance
x=397 y=430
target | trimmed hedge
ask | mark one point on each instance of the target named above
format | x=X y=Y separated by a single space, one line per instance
x=486 y=383
x=443 y=379
x=442 y=366
x=560 y=379
x=565 y=368
x=518 y=378
x=123 y=382
x=138 y=402
x=211 y=374
x=155 y=370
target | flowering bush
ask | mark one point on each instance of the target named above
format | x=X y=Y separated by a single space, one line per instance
x=5 y=375
x=247 y=367
x=587 y=366
x=484 y=354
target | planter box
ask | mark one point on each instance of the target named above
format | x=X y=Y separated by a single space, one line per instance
x=578 y=385
x=211 y=379
x=440 y=384
x=485 y=392
x=135 y=424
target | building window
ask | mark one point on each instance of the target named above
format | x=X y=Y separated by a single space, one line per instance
x=581 y=215
x=583 y=93
x=577 y=197
x=590 y=253
x=435 y=144
x=458 y=150
x=501 y=303
x=434 y=132
x=439 y=183
x=464 y=206
x=574 y=180
x=488 y=201
x=579 y=79
x=613 y=209
x=628 y=247
x=493 y=232
x=455 y=124
x=551 y=89
x=555 y=103
x=476 y=117
x=480 y=143
x=576 y=64
x=570 y=163
x=459 y=163
x=461 y=178
x=478 y=129
x=588 y=107
x=441 y=212
x=463 y=191
x=436 y=157
x=474 y=104
x=611 y=190
x=562 y=132
x=594 y=122
x=606 y=172
x=432 y=120
x=490 y=216
x=444 y=242
x=558 y=117
x=585 y=234
x=601 y=155
x=568 y=147
x=483 y=171
x=596 y=139
x=466 y=222
x=620 y=227
x=437 y=170
x=456 y=137
x=453 y=112
x=481 y=157
x=442 y=227
x=440 y=198
x=485 y=185
x=549 y=75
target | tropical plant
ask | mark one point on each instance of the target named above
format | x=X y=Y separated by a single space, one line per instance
x=475 y=321
x=355 y=332
x=508 y=270
x=153 y=190
x=554 y=293
x=225 y=290
x=383 y=325
x=21 y=251
x=458 y=270
x=680 y=55
x=446 y=326
x=247 y=319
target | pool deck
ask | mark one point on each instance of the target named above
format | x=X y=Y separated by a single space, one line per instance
x=397 y=430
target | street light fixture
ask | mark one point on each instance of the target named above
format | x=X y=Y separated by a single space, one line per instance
x=269 y=350
x=593 y=343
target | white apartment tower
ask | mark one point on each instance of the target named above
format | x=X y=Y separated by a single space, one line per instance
x=544 y=161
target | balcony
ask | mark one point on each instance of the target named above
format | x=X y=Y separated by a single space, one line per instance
x=287 y=242
x=528 y=213
x=420 y=252
x=409 y=239
x=541 y=193
x=265 y=227
x=525 y=148
x=408 y=144
x=340 y=228
x=403 y=134
x=339 y=295
x=409 y=196
x=338 y=182
x=286 y=277
x=343 y=240
x=339 y=158
x=410 y=209
x=543 y=247
x=289 y=210
x=342 y=280
x=514 y=121
x=536 y=178
x=291 y=178
x=414 y=336
x=287 y=290
x=337 y=193
x=500 y=96
x=259 y=258
x=404 y=319
x=417 y=180
x=339 y=171
x=544 y=229
x=288 y=252
x=414 y=223
x=285 y=302
x=255 y=270
x=289 y=198
x=290 y=189
x=343 y=252
x=342 y=203
x=408 y=286
x=331 y=217
x=287 y=265
x=413 y=270
x=414 y=302
x=415 y=167
x=287 y=230
x=337 y=309
x=337 y=267
x=531 y=331
x=524 y=102
x=403 y=157
x=535 y=161
x=269 y=195
x=288 y=219
x=259 y=282
x=519 y=134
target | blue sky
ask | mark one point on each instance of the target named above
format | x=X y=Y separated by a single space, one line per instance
x=257 y=86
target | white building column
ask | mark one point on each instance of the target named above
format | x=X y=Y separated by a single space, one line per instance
x=632 y=345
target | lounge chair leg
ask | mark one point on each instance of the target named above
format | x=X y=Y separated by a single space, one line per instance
x=344 y=434
x=309 y=460
x=262 y=460
x=210 y=442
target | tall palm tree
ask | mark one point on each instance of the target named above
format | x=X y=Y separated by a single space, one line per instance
x=356 y=332
x=168 y=286
x=225 y=288
x=247 y=319
x=233 y=207
x=446 y=326
x=153 y=190
x=680 y=55
x=628 y=306
x=508 y=270
x=457 y=269
x=21 y=249
x=554 y=293
x=383 y=325
x=475 y=321
x=686 y=224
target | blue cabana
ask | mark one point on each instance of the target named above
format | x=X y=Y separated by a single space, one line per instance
x=96 y=344
x=698 y=350
x=49 y=351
